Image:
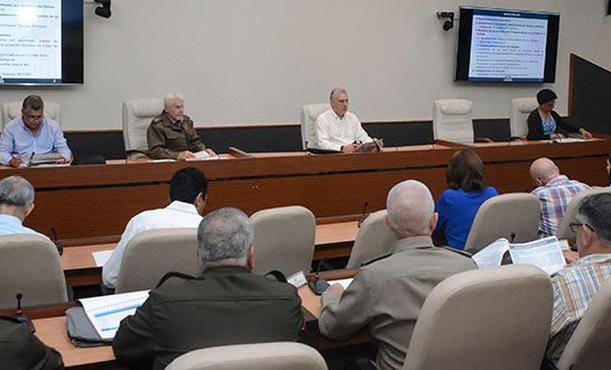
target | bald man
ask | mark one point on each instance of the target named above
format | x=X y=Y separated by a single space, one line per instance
x=554 y=191
x=387 y=293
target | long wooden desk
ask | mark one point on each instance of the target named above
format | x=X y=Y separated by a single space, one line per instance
x=97 y=200
x=332 y=240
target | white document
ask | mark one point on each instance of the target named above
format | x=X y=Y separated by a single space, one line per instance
x=544 y=253
x=106 y=312
x=492 y=255
x=569 y=140
x=343 y=282
x=101 y=257
x=202 y=156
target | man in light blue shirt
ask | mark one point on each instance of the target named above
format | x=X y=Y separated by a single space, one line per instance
x=16 y=203
x=32 y=133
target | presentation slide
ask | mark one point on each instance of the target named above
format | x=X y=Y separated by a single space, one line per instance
x=508 y=46
x=30 y=40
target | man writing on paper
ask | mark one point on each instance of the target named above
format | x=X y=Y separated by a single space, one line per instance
x=576 y=285
x=188 y=195
x=227 y=304
x=171 y=134
x=32 y=133
x=554 y=191
x=338 y=129
x=387 y=293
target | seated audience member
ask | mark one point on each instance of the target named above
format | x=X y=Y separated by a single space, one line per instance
x=554 y=191
x=188 y=194
x=338 y=129
x=227 y=304
x=458 y=205
x=609 y=168
x=16 y=203
x=32 y=133
x=576 y=285
x=387 y=293
x=171 y=134
x=544 y=123
x=21 y=349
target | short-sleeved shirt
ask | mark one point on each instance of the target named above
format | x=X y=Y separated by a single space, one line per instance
x=457 y=210
x=333 y=132
x=554 y=198
x=166 y=137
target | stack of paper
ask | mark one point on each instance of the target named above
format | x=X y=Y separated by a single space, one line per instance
x=202 y=156
x=106 y=312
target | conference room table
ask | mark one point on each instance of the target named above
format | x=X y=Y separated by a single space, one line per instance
x=77 y=204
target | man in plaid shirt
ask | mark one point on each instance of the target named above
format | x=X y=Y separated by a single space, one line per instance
x=575 y=286
x=554 y=191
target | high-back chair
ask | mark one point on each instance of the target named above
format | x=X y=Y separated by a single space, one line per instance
x=495 y=318
x=373 y=239
x=151 y=254
x=30 y=265
x=514 y=216
x=137 y=116
x=309 y=114
x=261 y=356
x=284 y=239
x=453 y=121
x=570 y=215
x=12 y=110
x=520 y=109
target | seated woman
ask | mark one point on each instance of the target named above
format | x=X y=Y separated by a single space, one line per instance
x=545 y=124
x=459 y=204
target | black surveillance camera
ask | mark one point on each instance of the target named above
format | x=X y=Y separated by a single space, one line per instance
x=104 y=9
x=449 y=20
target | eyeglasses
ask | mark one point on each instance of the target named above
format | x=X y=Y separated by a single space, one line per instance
x=575 y=225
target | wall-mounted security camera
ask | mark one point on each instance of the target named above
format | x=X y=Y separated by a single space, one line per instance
x=449 y=20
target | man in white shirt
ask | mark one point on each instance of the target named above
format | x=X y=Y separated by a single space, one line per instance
x=338 y=129
x=188 y=195
x=16 y=203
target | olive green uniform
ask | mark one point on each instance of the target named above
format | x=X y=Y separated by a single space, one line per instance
x=225 y=305
x=166 y=138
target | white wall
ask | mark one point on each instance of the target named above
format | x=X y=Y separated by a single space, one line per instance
x=246 y=61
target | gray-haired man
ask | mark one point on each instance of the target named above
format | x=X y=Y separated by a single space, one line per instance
x=227 y=304
x=16 y=203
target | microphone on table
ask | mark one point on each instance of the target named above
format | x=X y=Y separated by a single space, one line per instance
x=20 y=316
x=364 y=215
x=506 y=259
x=58 y=244
x=318 y=285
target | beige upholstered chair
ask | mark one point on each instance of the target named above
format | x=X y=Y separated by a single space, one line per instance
x=484 y=319
x=262 y=356
x=564 y=232
x=30 y=265
x=309 y=114
x=588 y=348
x=520 y=109
x=137 y=116
x=452 y=120
x=151 y=254
x=503 y=216
x=12 y=110
x=373 y=239
x=284 y=239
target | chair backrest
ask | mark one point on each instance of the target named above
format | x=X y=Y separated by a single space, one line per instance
x=153 y=253
x=484 y=319
x=12 y=110
x=564 y=231
x=502 y=216
x=309 y=114
x=137 y=116
x=588 y=348
x=30 y=265
x=520 y=109
x=261 y=356
x=373 y=239
x=452 y=120
x=284 y=239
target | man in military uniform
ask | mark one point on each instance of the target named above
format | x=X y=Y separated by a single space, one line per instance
x=171 y=134
x=387 y=293
x=226 y=305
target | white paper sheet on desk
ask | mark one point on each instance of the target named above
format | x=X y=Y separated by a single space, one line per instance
x=492 y=255
x=568 y=140
x=101 y=257
x=202 y=156
x=545 y=253
x=106 y=312
x=343 y=282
